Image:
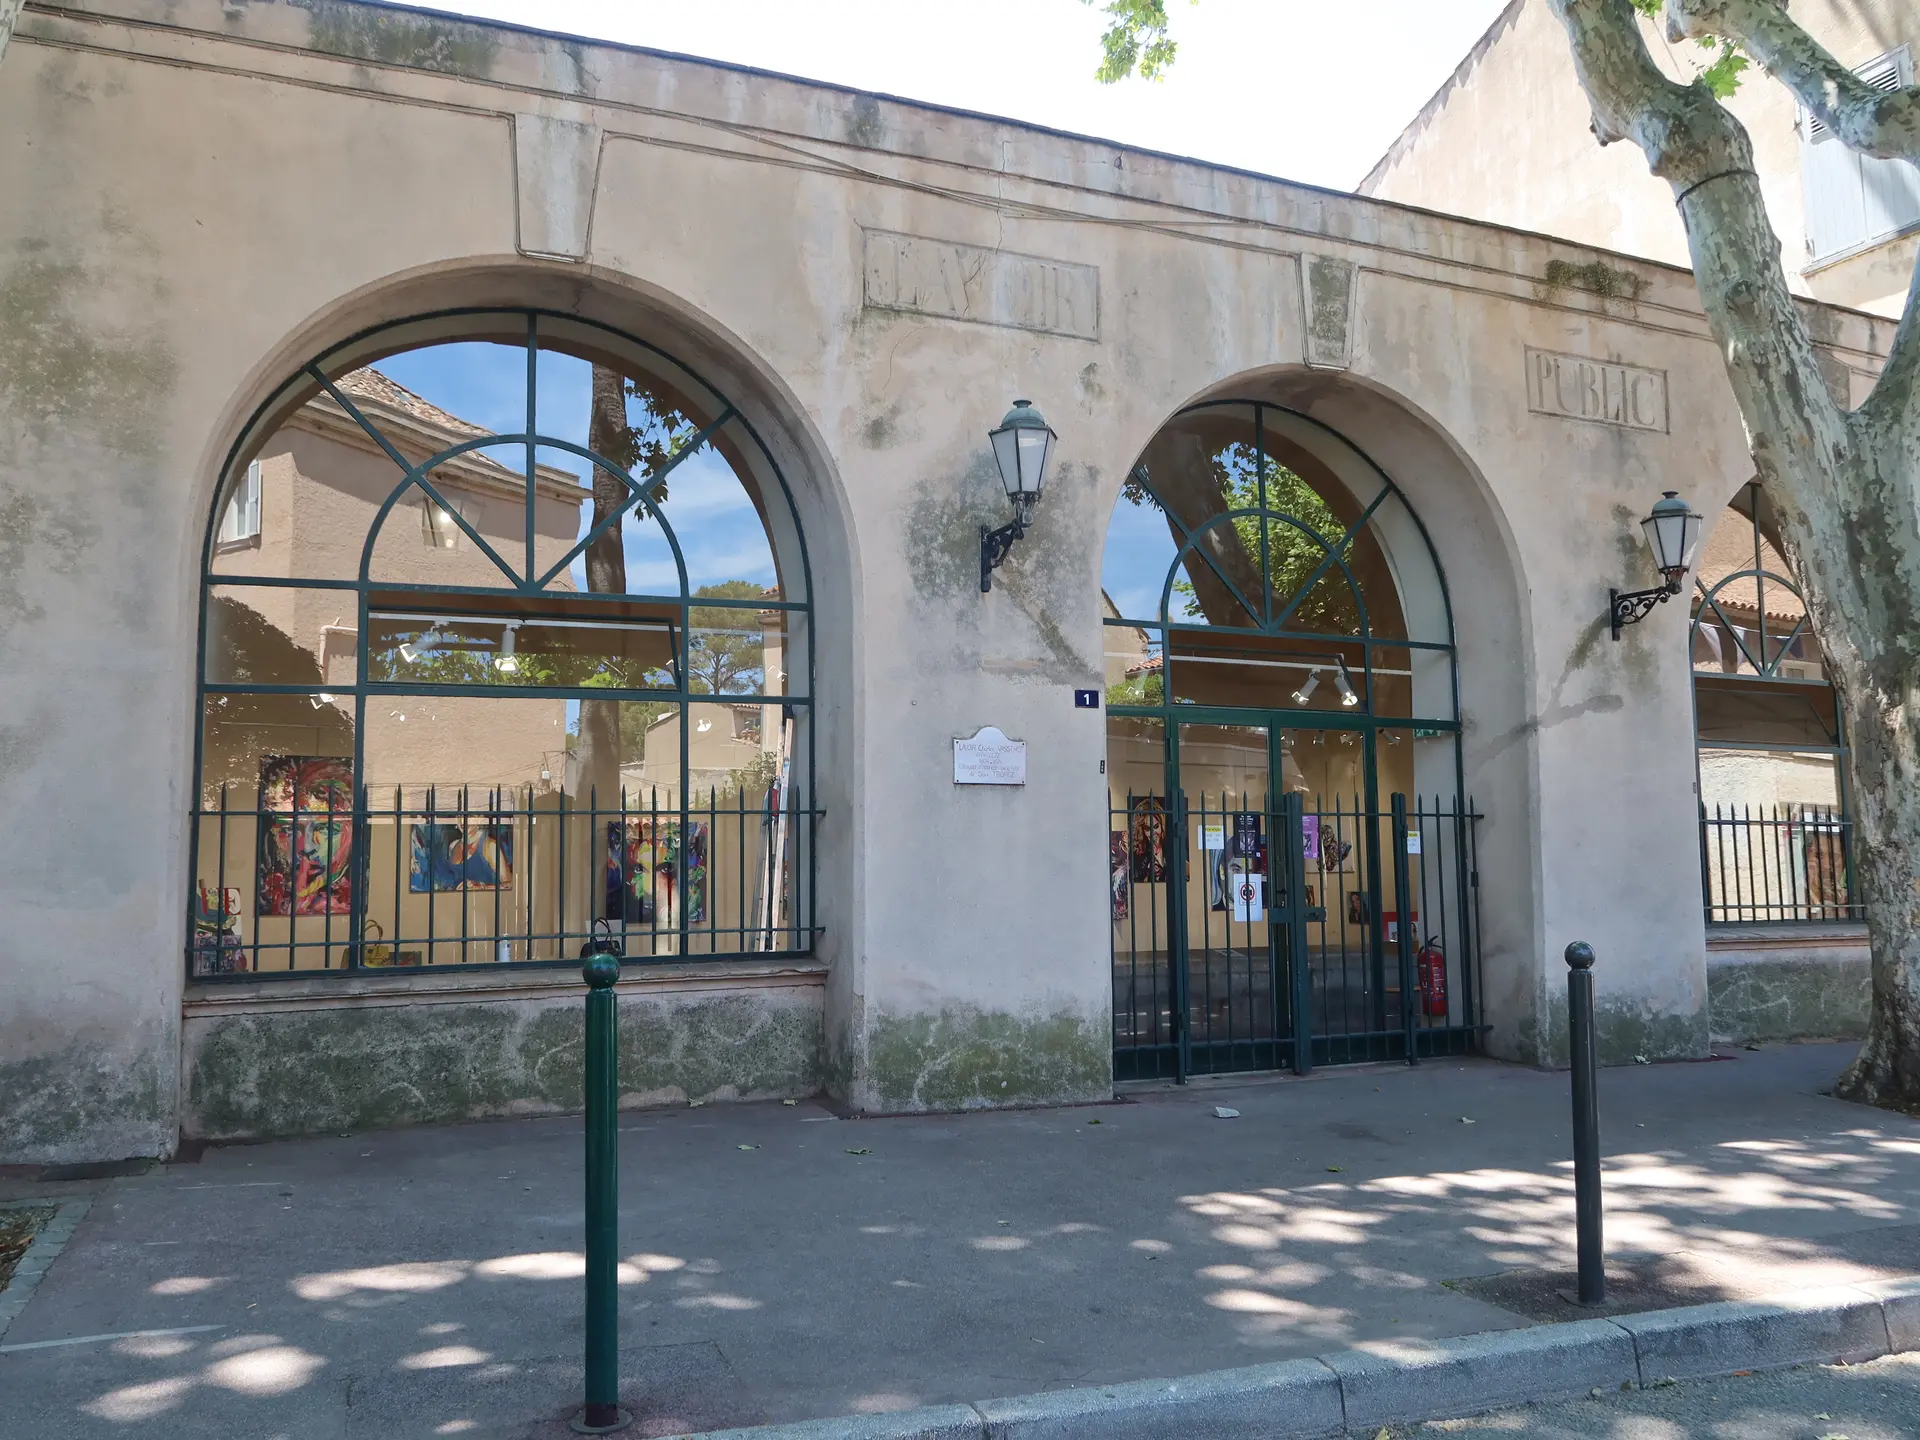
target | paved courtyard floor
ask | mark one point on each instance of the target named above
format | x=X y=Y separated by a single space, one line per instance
x=783 y=1263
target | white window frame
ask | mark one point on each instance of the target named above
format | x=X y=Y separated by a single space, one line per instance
x=1834 y=178
x=240 y=521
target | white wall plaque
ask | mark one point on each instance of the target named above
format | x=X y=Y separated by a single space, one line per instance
x=989 y=758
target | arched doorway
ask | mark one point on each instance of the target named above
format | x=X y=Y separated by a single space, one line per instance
x=1291 y=863
x=505 y=646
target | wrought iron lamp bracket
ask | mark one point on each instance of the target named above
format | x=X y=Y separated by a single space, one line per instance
x=996 y=545
x=1630 y=607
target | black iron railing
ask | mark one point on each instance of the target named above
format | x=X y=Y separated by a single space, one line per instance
x=414 y=877
x=1777 y=864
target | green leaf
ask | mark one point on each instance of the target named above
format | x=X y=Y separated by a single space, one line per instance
x=1135 y=41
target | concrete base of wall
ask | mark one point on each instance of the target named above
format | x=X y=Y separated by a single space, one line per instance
x=297 y=1057
x=1803 y=983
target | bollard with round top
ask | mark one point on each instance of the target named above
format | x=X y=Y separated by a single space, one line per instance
x=1584 y=1056
x=600 y=967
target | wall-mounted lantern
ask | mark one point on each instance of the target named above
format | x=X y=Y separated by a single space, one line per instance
x=1022 y=446
x=1673 y=533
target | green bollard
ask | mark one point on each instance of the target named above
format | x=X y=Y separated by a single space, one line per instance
x=602 y=1413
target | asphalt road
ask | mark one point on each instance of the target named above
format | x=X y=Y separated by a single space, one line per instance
x=1878 y=1401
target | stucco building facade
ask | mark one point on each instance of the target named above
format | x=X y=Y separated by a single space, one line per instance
x=1508 y=139
x=1339 y=491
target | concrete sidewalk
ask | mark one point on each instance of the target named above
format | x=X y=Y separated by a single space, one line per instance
x=426 y=1282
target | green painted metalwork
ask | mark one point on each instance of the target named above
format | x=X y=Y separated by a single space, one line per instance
x=1179 y=1021
x=602 y=1413
x=523 y=588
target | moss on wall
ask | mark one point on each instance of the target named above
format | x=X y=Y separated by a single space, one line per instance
x=962 y=1058
x=58 y=369
x=1791 y=999
x=315 y=1071
x=82 y=1103
x=1596 y=278
x=366 y=32
x=1629 y=1031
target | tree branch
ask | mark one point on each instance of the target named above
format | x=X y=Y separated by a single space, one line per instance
x=1871 y=121
x=9 y=14
x=1695 y=144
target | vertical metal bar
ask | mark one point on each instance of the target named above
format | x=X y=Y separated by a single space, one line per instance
x=1469 y=940
x=602 y=1412
x=1583 y=1053
x=533 y=372
x=1402 y=894
x=1300 y=973
x=399 y=881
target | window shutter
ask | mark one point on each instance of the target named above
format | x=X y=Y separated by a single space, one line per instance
x=241 y=519
x=1853 y=198
x=251 y=520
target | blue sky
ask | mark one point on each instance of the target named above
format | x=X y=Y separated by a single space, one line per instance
x=718 y=529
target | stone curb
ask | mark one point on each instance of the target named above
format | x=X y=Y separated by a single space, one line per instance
x=1356 y=1391
x=44 y=1250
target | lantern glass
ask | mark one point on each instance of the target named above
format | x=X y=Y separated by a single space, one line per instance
x=1673 y=534
x=1022 y=448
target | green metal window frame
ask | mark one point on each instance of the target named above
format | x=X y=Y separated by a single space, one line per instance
x=1771 y=831
x=1362 y=720
x=1272 y=622
x=470 y=324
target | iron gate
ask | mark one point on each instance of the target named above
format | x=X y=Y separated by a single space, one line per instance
x=1235 y=950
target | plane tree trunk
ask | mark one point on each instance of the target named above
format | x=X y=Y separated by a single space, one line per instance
x=1843 y=480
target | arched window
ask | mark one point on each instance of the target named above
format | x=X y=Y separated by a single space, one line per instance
x=1286 y=833
x=1774 y=836
x=504 y=644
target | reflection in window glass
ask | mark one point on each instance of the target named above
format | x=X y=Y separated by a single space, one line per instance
x=1775 y=834
x=468 y=706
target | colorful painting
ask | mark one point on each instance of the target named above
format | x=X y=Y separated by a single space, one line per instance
x=1149 y=853
x=218 y=948
x=1117 y=869
x=653 y=878
x=460 y=857
x=1333 y=850
x=306 y=836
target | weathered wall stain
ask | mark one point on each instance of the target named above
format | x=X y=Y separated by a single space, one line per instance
x=963 y=1058
x=1625 y=1032
x=38 y=538
x=363 y=33
x=1046 y=576
x=83 y=1101
x=349 y=1069
x=1790 y=999
x=60 y=368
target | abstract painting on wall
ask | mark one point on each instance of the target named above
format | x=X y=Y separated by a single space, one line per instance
x=1149 y=825
x=305 y=862
x=1118 y=871
x=653 y=878
x=448 y=857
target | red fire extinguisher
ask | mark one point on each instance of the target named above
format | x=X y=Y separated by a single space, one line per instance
x=1432 y=962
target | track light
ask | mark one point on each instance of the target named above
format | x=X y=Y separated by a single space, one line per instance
x=1305 y=692
x=1344 y=684
x=505 y=662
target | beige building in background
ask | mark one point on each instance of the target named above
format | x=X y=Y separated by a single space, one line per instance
x=1507 y=139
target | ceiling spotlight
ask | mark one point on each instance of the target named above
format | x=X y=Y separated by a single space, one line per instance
x=1305 y=692
x=505 y=662
x=1344 y=683
x=319 y=699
